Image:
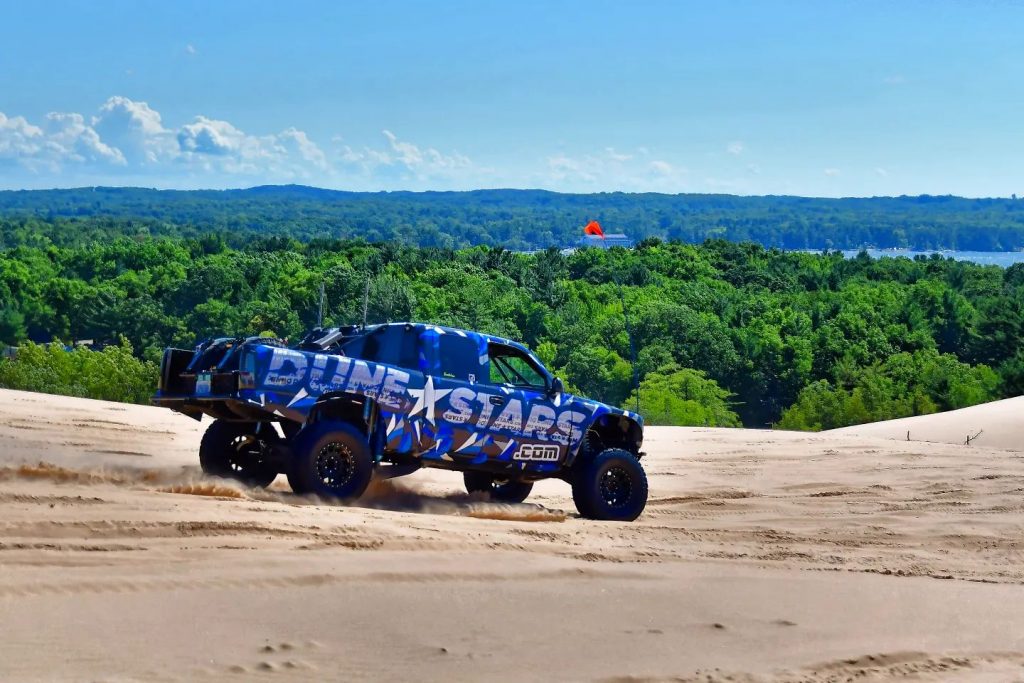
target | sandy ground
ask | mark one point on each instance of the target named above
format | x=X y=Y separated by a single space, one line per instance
x=763 y=556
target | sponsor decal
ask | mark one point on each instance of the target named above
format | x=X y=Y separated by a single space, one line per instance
x=511 y=418
x=431 y=413
x=541 y=420
x=461 y=409
x=287 y=367
x=537 y=453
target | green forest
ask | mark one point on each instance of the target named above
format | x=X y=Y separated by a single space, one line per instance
x=514 y=219
x=725 y=333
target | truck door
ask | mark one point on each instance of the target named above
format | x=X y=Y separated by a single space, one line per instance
x=522 y=417
x=442 y=415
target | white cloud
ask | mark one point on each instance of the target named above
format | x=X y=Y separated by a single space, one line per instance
x=295 y=142
x=406 y=152
x=127 y=137
x=71 y=138
x=213 y=137
x=605 y=168
x=405 y=164
x=367 y=159
x=127 y=141
x=63 y=138
x=610 y=170
x=190 y=49
x=135 y=129
x=19 y=139
x=216 y=145
x=894 y=79
x=429 y=159
x=881 y=171
x=661 y=167
x=832 y=172
x=136 y=116
x=735 y=148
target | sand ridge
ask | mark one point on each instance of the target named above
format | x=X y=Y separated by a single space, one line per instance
x=992 y=425
x=762 y=556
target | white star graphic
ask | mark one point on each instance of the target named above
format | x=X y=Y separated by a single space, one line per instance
x=426 y=398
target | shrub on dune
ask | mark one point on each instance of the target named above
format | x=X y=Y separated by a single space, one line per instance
x=112 y=374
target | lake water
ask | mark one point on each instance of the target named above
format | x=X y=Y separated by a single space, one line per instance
x=986 y=258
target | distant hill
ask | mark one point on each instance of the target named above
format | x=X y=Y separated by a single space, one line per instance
x=525 y=219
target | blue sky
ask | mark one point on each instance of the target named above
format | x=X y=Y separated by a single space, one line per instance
x=811 y=98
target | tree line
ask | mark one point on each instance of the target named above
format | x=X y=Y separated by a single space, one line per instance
x=514 y=219
x=725 y=333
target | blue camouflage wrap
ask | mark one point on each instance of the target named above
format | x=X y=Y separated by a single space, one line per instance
x=425 y=414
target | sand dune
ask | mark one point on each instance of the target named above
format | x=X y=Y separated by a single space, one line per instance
x=763 y=556
x=999 y=424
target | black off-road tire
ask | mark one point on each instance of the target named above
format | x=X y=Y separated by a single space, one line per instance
x=235 y=450
x=610 y=486
x=502 y=490
x=330 y=459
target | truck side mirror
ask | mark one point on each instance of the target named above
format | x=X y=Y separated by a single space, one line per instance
x=556 y=387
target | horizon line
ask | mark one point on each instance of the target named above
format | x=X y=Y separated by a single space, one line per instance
x=1012 y=197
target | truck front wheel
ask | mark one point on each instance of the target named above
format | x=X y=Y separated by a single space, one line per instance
x=236 y=450
x=504 y=490
x=610 y=486
x=330 y=459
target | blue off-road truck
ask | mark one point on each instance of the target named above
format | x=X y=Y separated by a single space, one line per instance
x=347 y=403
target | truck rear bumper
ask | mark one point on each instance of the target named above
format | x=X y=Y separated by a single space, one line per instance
x=217 y=407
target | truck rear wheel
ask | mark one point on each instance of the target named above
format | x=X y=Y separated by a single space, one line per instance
x=236 y=450
x=504 y=490
x=610 y=486
x=330 y=459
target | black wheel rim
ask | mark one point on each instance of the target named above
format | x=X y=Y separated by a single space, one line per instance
x=335 y=465
x=246 y=450
x=616 y=487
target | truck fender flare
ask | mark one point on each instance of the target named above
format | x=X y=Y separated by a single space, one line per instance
x=608 y=431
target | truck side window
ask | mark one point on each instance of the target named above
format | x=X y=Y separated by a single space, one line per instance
x=391 y=344
x=408 y=349
x=459 y=358
x=513 y=367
